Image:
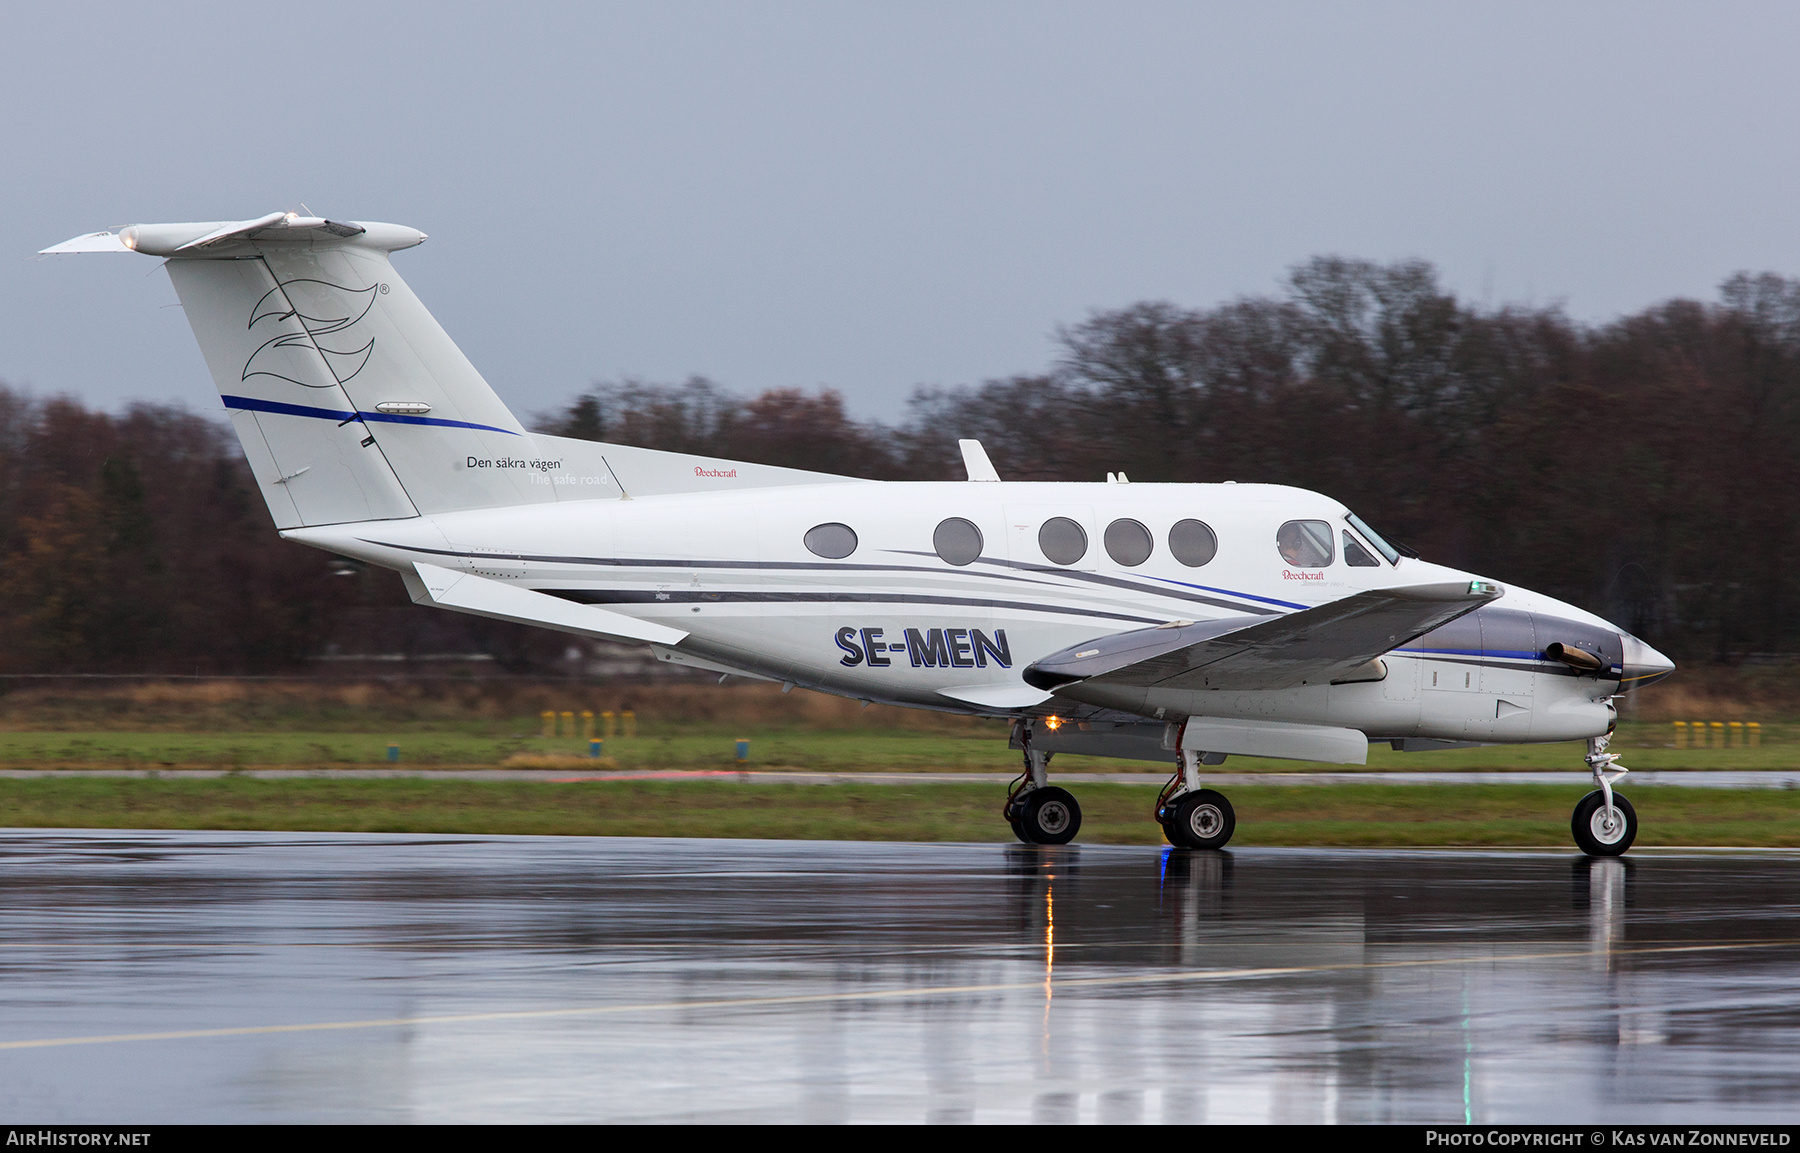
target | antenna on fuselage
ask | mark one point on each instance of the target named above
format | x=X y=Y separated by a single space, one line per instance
x=975 y=459
x=623 y=495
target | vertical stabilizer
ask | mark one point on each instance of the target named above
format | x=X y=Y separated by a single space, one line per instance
x=311 y=457
x=352 y=402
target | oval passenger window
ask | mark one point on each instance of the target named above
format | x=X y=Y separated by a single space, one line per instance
x=957 y=541
x=831 y=541
x=1305 y=543
x=1193 y=543
x=1062 y=540
x=1128 y=542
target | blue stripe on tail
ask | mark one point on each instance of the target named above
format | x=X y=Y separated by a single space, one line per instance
x=342 y=417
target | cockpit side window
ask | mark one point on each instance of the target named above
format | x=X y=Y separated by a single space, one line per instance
x=1305 y=543
x=1381 y=545
x=1355 y=555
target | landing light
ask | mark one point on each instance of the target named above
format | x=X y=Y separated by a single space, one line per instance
x=1053 y=723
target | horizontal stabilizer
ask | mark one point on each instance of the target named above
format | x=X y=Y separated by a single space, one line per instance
x=429 y=584
x=92 y=242
x=232 y=230
x=1312 y=646
x=204 y=238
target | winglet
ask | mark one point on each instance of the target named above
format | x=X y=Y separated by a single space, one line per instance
x=975 y=459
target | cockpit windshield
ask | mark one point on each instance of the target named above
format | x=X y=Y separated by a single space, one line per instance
x=1387 y=550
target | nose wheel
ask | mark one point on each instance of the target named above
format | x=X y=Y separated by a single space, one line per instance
x=1604 y=823
x=1603 y=830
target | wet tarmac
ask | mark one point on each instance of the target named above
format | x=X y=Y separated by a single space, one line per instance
x=1687 y=778
x=171 y=976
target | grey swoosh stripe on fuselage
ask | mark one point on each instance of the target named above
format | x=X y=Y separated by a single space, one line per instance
x=1114 y=582
x=677 y=596
x=815 y=566
x=626 y=562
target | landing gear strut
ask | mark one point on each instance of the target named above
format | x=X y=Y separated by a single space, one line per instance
x=1604 y=823
x=1040 y=813
x=1193 y=817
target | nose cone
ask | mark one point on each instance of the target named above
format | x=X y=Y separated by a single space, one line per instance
x=1642 y=665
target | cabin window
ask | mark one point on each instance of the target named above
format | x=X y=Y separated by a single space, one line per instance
x=1305 y=543
x=1062 y=540
x=831 y=541
x=1193 y=543
x=957 y=541
x=1355 y=555
x=1128 y=542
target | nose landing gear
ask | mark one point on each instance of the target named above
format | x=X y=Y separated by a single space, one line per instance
x=1604 y=823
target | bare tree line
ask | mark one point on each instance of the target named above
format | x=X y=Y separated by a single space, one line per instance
x=1644 y=468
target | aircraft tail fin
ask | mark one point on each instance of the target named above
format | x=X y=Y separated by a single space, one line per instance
x=351 y=401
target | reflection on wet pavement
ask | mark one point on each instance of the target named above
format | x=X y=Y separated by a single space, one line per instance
x=284 y=976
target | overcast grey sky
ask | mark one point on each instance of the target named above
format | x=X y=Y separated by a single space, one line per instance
x=873 y=196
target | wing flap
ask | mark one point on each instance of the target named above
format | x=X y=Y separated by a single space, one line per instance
x=1312 y=646
x=1278 y=739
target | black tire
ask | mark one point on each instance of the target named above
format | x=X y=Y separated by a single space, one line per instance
x=1019 y=832
x=1048 y=816
x=1589 y=826
x=1203 y=819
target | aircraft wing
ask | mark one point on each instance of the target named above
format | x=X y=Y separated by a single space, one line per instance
x=1312 y=646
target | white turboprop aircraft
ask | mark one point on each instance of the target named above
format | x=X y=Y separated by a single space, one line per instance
x=1185 y=622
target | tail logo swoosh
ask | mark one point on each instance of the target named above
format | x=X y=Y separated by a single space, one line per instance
x=312 y=322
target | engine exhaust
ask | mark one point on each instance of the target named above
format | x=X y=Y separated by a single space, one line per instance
x=1578 y=659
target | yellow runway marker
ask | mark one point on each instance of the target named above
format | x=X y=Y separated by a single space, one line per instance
x=864 y=996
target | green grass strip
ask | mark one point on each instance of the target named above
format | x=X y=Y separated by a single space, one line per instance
x=1341 y=815
x=979 y=748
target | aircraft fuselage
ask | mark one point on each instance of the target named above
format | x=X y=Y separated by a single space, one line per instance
x=892 y=621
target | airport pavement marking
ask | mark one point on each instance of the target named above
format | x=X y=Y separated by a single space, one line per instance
x=1039 y=985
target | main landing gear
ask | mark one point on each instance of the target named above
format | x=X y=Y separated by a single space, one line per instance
x=1040 y=813
x=1604 y=823
x=1193 y=817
